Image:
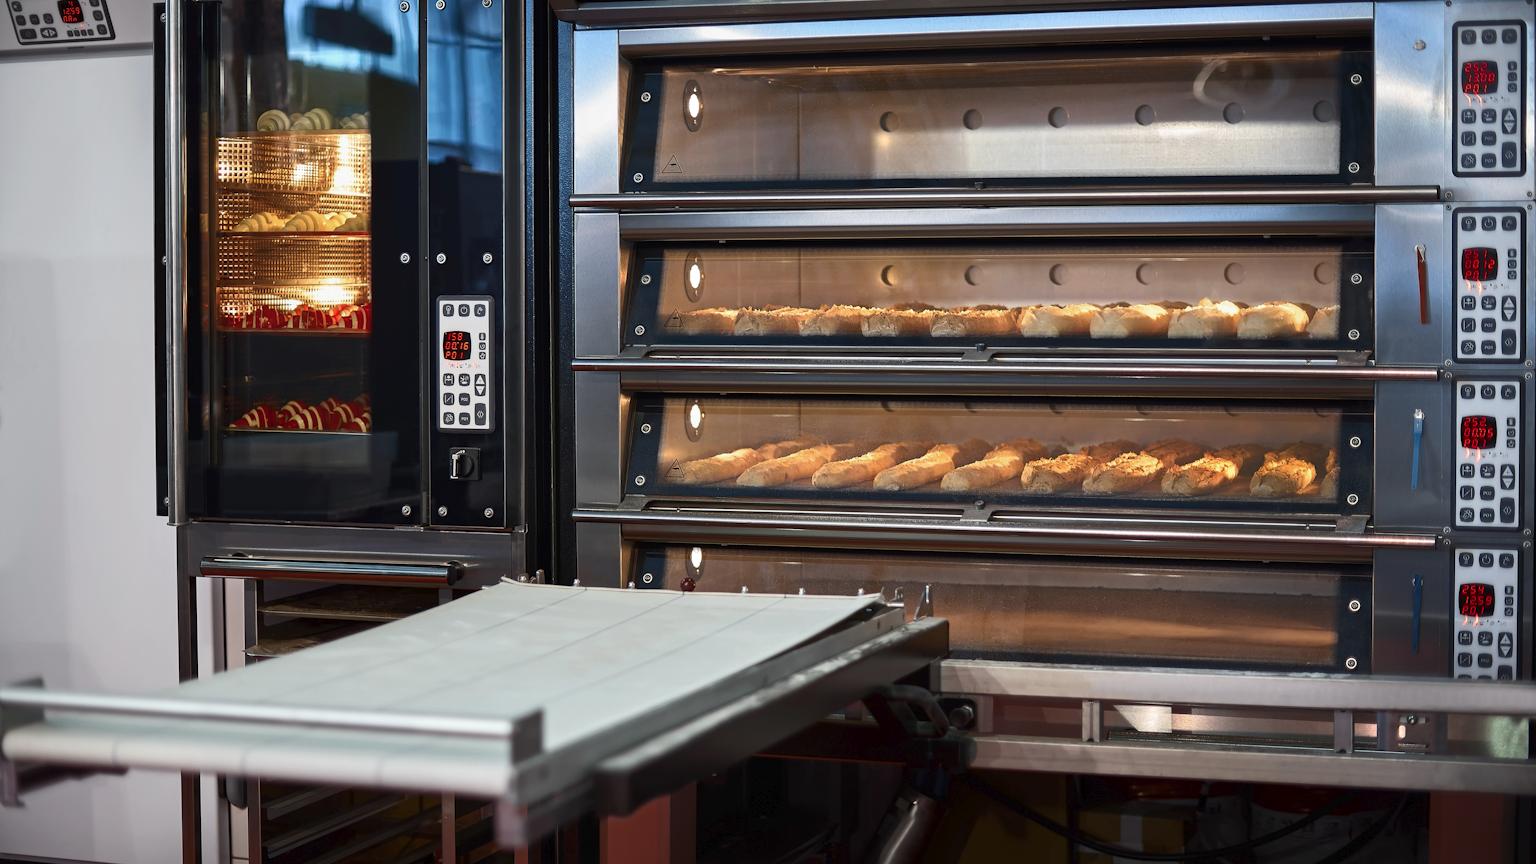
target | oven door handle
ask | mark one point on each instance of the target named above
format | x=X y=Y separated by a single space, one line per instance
x=373 y=573
x=1423 y=268
x=834 y=365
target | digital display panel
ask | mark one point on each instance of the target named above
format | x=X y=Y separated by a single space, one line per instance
x=1479 y=264
x=1478 y=432
x=1475 y=599
x=1479 y=77
x=70 y=12
x=456 y=345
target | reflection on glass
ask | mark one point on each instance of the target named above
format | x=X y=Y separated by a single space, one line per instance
x=1107 y=295
x=1043 y=607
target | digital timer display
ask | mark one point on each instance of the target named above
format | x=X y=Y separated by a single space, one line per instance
x=70 y=12
x=1479 y=77
x=1475 y=599
x=1478 y=432
x=455 y=345
x=1479 y=264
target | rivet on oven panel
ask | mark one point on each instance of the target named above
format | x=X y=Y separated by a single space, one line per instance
x=1354 y=167
x=485 y=258
x=1419 y=45
x=638 y=178
x=1353 y=334
x=647 y=578
x=1355 y=78
x=405 y=257
x=490 y=512
x=1350 y=663
x=1354 y=605
x=639 y=329
x=404 y=6
x=645 y=96
x=485 y=3
x=645 y=279
x=639 y=479
x=645 y=428
x=405 y=509
x=442 y=511
x=1352 y=499
x=1354 y=441
x=441 y=5
x=441 y=258
x=1356 y=278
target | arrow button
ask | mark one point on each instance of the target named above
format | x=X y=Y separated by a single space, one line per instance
x=1506 y=644
x=1510 y=119
x=1507 y=477
x=480 y=387
x=1508 y=310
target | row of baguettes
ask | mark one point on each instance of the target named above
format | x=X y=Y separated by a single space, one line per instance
x=1208 y=319
x=1176 y=467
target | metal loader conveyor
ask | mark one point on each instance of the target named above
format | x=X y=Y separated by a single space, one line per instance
x=549 y=700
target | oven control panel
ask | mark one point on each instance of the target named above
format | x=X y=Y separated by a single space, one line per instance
x=1488 y=458
x=1489 y=80
x=38 y=22
x=464 y=353
x=1485 y=603
x=1489 y=272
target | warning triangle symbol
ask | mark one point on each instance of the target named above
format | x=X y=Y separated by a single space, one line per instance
x=677 y=468
x=672 y=167
x=674 y=321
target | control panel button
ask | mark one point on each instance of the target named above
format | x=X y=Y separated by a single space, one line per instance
x=1506 y=672
x=1484 y=661
x=1464 y=637
x=1506 y=644
x=1485 y=638
x=1464 y=659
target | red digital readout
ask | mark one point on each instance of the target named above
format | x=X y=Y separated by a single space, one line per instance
x=1479 y=264
x=1479 y=77
x=1475 y=599
x=70 y=12
x=1478 y=432
x=455 y=345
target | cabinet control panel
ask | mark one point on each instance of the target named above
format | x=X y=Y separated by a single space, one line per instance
x=1488 y=80
x=465 y=331
x=1488 y=455
x=1488 y=274
x=38 y=22
x=1485 y=610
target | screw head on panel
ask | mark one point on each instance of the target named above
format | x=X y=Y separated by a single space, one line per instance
x=405 y=257
x=405 y=510
x=1354 y=441
x=640 y=480
x=639 y=329
x=441 y=258
x=638 y=178
x=1355 y=78
x=645 y=96
x=1351 y=663
x=647 y=578
x=489 y=512
x=485 y=3
x=1356 y=278
x=1354 y=167
x=645 y=278
x=1352 y=498
x=1354 y=335
x=442 y=511
x=440 y=5
x=1354 y=605
x=404 y=6
x=485 y=258
x=645 y=428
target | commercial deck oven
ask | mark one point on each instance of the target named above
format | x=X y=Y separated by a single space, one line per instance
x=1195 y=338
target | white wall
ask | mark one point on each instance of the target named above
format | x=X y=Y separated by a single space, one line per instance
x=87 y=592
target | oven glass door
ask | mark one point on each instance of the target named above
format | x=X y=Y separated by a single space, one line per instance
x=1284 y=295
x=1235 y=456
x=1066 y=610
x=305 y=358
x=1267 y=111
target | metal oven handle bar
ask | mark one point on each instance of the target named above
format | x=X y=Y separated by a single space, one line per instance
x=1004 y=198
x=175 y=265
x=740 y=520
x=430 y=575
x=1139 y=370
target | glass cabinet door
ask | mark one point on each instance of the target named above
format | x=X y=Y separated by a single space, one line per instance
x=307 y=369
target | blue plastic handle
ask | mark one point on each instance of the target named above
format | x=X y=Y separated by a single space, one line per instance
x=1418 y=439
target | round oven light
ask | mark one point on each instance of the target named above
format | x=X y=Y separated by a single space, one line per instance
x=695 y=416
x=695 y=105
x=696 y=558
x=695 y=275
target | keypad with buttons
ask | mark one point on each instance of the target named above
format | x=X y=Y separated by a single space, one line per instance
x=1488 y=78
x=41 y=22
x=1488 y=458
x=1485 y=613
x=465 y=328
x=1488 y=275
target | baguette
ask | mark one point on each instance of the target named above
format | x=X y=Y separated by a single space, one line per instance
x=1212 y=471
x=1072 y=319
x=1002 y=463
x=1107 y=450
x=1062 y=473
x=1275 y=320
x=716 y=321
x=1325 y=324
x=1207 y=319
x=1124 y=473
x=1174 y=451
x=728 y=466
x=836 y=321
x=797 y=465
x=907 y=319
x=975 y=321
x=781 y=321
x=1289 y=471
x=848 y=472
x=1123 y=322
x=933 y=465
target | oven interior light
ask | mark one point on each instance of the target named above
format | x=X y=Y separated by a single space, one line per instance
x=695 y=105
x=695 y=275
x=695 y=416
x=696 y=557
x=329 y=294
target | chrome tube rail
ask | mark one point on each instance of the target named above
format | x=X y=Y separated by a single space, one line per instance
x=442 y=575
x=175 y=266
x=1268 y=371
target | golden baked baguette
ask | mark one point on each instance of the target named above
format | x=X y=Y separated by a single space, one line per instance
x=976 y=321
x=1129 y=322
x=781 y=321
x=1247 y=456
x=931 y=466
x=1325 y=324
x=1002 y=463
x=1124 y=473
x=1174 y=451
x=1052 y=320
x=859 y=469
x=727 y=466
x=906 y=319
x=836 y=321
x=1212 y=471
x=1064 y=473
x=1289 y=471
x=1275 y=320
x=1208 y=319
x=798 y=465
x=1107 y=450
x=714 y=321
